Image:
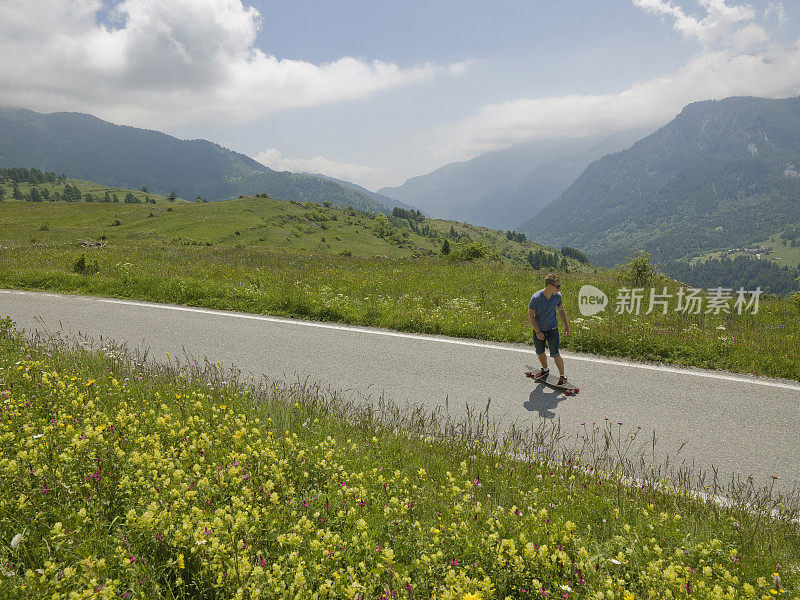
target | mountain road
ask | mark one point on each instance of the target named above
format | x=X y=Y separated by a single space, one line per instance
x=740 y=424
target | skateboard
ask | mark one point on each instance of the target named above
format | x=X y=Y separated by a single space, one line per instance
x=569 y=390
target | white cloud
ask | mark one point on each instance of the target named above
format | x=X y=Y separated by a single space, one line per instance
x=749 y=37
x=718 y=25
x=273 y=159
x=780 y=12
x=169 y=62
x=749 y=65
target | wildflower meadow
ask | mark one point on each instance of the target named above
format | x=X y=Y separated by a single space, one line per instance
x=129 y=480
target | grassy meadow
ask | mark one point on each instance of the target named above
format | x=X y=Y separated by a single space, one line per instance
x=304 y=260
x=259 y=222
x=121 y=479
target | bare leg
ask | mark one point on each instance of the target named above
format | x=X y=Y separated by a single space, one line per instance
x=559 y=364
x=543 y=360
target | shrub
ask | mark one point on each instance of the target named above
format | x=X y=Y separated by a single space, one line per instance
x=382 y=227
x=639 y=272
x=85 y=268
x=796 y=296
x=469 y=252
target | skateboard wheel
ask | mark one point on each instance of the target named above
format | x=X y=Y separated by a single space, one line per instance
x=528 y=374
x=576 y=390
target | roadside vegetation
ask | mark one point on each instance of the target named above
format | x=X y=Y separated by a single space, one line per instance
x=312 y=261
x=123 y=479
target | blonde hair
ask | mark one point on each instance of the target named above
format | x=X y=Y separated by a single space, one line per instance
x=552 y=279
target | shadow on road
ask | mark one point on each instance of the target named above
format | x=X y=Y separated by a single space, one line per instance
x=544 y=400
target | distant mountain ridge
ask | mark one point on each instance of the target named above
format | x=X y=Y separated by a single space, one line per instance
x=85 y=147
x=379 y=198
x=721 y=174
x=501 y=189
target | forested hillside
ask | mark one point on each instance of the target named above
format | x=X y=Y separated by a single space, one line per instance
x=34 y=185
x=722 y=174
x=87 y=148
x=740 y=272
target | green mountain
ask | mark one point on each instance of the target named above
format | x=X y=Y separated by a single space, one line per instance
x=498 y=189
x=721 y=175
x=87 y=148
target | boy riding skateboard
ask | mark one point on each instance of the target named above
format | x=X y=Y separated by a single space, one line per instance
x=542 y=316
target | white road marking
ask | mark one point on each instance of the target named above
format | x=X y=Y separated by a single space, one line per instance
x=417 y=336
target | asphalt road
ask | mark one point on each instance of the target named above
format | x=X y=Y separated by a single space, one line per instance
x=742 y=425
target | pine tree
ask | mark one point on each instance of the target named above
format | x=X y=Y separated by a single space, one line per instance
x=72 y=193
x=16 y=195
x=36 y=196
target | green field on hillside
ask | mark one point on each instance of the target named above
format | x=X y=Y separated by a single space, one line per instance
x=257 y=223
x=781 y=248
x=784 y=256
x=270 y=257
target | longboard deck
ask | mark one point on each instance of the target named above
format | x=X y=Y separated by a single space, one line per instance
x=569 y=389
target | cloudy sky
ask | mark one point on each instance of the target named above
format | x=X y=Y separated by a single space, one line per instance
x=377 y=91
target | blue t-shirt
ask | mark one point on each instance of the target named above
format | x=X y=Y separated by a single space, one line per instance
x=545 y=309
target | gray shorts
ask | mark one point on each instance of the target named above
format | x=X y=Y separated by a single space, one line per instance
x=551 y=337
